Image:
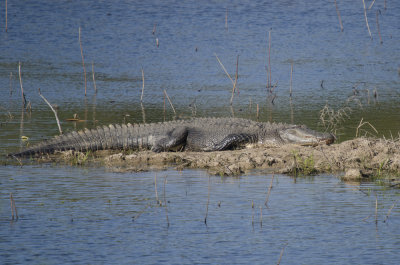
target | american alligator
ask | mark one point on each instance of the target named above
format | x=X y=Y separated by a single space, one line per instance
x=197 y=134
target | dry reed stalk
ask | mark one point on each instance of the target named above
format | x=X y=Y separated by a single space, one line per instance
x=208 y=200
x=258 y=109
x=362 y=124
x=390 y=210
x=376 y=209
x=164 y=107
x=338 y=14
x=366 y=19
x=165 y=202
x=280 y=257
x=384 y=4
x=269 y=60
x=83 y=61
x=143 y=112
x=157 y=42
x=377 y=24
x=6 y=17
x=154 y=28
x=226 y=19
x=20 y=83
x=252 y=217
x=223 y=67
x=11 y=84
x=140 y=213
x=94 y=80
x=14 y=212
x=236 y=78
x=291 y=78
x=51 y=107
x=261 y=216
x=373 y=2
x=155 y=188
x=269 y=190
x=172 y=106
x=141 y=97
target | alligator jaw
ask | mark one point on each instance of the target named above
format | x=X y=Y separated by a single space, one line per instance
x=306 y=137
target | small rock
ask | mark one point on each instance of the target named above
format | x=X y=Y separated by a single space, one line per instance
x=352 y=174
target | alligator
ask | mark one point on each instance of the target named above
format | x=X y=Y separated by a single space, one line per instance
x=196 y=134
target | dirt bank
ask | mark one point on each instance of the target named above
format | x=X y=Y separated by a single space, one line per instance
x=356 y=158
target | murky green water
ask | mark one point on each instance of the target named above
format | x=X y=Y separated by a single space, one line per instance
x=84 y=215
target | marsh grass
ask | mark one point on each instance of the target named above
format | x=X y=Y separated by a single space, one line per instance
x=303 y=166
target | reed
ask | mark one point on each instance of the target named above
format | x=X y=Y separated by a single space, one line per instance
x=155 y=188
x=22 y=88
x=141 y=96
x=51 y=107
x=366 y=19
x=258 y=112
x=236 y=79
x=94 y=80
x=269 y=81
x=154 y=28
x=223 y=67
x=280 y=257
x=14 y=212
x=376 y=209
x=252 y=210
x=83 y=60
x=165 y=201
x=261 y=216
x=377 y=25
x=373 y=2
x=269 y=190
x=339 y=17
x=11 y=84
x=6 y=17
x=157 y=43
x=362 y=124
x=390 y=210
x=208 y=200
x=170 y=103
x=291 y=78
x=226 y=19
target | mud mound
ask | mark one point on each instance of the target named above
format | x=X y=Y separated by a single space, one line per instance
x=360 y=157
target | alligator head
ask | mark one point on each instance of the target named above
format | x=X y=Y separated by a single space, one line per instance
x=305 y=136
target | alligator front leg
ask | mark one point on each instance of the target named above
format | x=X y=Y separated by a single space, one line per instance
x=231 y=141
x=175 y=140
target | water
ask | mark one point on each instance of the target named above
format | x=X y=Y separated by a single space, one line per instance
x=84 y=215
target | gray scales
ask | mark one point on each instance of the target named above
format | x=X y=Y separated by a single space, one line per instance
x=196 y=134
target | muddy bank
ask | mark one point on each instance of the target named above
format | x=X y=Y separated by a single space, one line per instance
x=356 y=159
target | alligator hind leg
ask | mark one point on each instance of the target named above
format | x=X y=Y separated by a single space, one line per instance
x=174 y=140
x=231 y=141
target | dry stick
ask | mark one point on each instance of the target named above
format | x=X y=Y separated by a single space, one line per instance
x=164 y=107
x=141 y=97
x=362 y=124
x=252 y=217
x=13 y=208
x=269 y=191
x=94 y=80
x=208 y=200
x=51 y=107
x=338 y=14
x=291 y=75
x=154 y=28
x=390 y=210
x=172 y=106
x=366 y=20
x=236 y=78
x=261 y=216
x=20 y=83
x=223 y=67
x=83 y=61
x=165 y=201
x=257 y=111
x=377 y=24
x=280 y=257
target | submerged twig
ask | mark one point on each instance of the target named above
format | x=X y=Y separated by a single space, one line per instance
x=390 y=210
x=280 y=257
x=55 y=112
